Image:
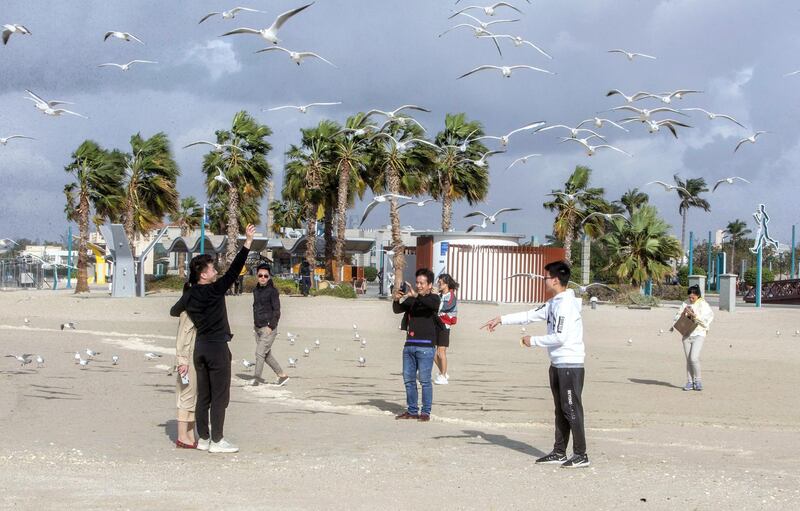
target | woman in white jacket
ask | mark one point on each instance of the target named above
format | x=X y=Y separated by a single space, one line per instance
x=697 y=309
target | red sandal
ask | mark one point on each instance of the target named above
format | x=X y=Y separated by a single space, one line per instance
x=181 y=445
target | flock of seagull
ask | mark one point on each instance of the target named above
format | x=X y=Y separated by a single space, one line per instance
x=652 y=110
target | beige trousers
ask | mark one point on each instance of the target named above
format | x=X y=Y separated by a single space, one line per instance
x=186 y=394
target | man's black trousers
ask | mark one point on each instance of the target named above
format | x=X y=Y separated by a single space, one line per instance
x=212 y=362
x=566 y=384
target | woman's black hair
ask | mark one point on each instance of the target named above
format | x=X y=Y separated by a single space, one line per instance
x=447 y=279
x=695 y=290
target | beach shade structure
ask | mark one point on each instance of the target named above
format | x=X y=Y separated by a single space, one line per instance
x=123 y=284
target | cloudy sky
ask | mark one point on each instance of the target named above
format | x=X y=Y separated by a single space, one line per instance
x=388 y=53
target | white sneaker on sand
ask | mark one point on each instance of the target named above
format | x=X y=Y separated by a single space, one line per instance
x=203 y=445
x=223 y=446
x=440 y=380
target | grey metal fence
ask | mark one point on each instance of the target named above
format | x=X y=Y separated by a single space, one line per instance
x=26 y=274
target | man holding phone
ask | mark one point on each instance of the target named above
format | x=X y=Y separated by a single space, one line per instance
x=420 y=308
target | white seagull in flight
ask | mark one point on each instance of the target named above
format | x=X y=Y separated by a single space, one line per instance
x=712 y=115
x=728 y=180
x=591 y=149
x=668 y=187
x=488 y=10
x=297 y=56
x=518 y=41
x=481 y=162
x=123 y=36
x=607 y=216
x=379 y=199
x=4 y=140
x=227 y=15
x=678 y=94
x=303 y=108
x=217 y=147
x=752 y=139
x=127 y=66
x=504 y=138
x=13 y=28
x=402 y=145
x=221 y=178
x=599 y=121
x=505 y=70
x=270 y=34
x=522 y=160
x=630 y=54
x=629 y=99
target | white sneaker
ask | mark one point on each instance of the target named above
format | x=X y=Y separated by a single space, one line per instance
x=202 y=445
x=440 y=380
x=223 y=446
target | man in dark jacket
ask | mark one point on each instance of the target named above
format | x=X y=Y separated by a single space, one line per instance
x=204 y=301
x=266 y=313
x=421 y=308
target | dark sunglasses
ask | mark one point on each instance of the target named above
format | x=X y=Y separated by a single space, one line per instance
x=263 y=275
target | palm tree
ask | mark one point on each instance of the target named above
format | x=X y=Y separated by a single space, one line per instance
x=695 y=187
x=286 y=213
x=633 y=199
x=736 y=230
x=351 y=157
x=97 y=185
x=150 y=191
x=642 y=248
x=399 y=172
x=574 y=204
x=188 y=217
x=244 y=162
x=307 y=168
x=455 y=177
x=219 y=207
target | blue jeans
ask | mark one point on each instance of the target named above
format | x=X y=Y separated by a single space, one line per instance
x=418 y=359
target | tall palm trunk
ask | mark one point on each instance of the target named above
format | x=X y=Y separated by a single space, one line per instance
x=233 y=225
x=128 y=224
x=311 y=235
x=329 y=243
x=341 y=213
x=447 y=202
x=393 y=184
x=733 y=255
x=82 y=285
x=569 y=237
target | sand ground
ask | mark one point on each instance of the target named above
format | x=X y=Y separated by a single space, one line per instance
x=103 y=437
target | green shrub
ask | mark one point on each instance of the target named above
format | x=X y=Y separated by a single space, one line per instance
x=164 y=283
x=750 y=276
x=284 y=286
x=370 y=273
x=340 y=291
x=670 y=292
x=683 y=274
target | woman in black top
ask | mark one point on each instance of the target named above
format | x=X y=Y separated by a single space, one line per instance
x=204 y=301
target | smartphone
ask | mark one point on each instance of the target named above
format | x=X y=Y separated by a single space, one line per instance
x=403 y=288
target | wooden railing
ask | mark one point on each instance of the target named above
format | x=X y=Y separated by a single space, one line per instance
x=779 y=291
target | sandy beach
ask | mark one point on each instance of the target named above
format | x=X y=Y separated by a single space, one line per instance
x=103 y=437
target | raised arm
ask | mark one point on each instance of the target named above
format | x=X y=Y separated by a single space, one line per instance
x=226 y=281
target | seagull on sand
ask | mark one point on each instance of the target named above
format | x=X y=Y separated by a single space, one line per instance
x=39 y=361
x=728 y=180
x=752 y=139
x=217 y=147
x=13 y=28
x=629 y=99
x=91 y=354
x=362 y=361
x=591 y=149
x=292 y=362
x=127 y=66
x=227 y=15
x=668 y=187
x=379 y=199
x=303 y=108
x=518 y=41
x=712 y=115
x=270 y=34
x=114 y=360
x=488 y=10
x=151 y=356
x=247 y=364
x=221 y=178
x=522 y=160
x=607 y=216
x=77 y=357
x=69 y=326
x=23 y=359
x=481 y=162
x=297 y=56
x=631 y=55
x=599 y=121
x=124 y=36
x=4 y=140
x=417 y=203
x=504 y=139
x=505 y=70
x=83 y=363
x=306 y=352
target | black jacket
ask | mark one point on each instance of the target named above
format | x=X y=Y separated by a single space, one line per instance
x=206 y=303
x=266 y=306
x=420 y=320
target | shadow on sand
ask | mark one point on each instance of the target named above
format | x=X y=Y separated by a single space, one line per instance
x=499 y=440
x=653 y=382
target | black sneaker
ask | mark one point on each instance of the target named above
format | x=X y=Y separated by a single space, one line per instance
x=282 y=381
x=553 y=457
x=577 y=461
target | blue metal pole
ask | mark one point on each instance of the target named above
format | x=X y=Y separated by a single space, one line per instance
x=69 y=258
x=758 y=278
x=793 y=262
x=203 y=232
x=503 y=227
x=691 y=253
x=708 y=273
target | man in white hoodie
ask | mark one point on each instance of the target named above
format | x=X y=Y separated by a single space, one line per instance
x=564 y=343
